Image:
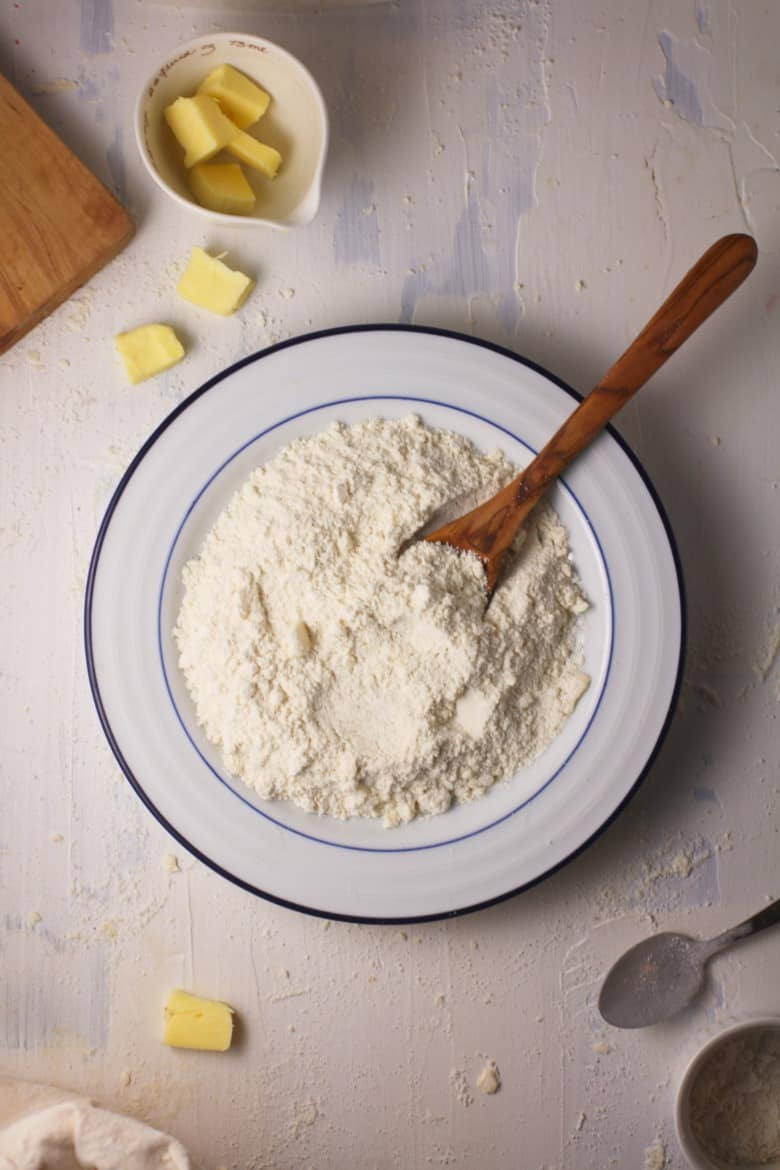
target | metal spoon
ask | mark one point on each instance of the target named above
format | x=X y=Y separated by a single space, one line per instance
x=660 y=976
x=489 y=530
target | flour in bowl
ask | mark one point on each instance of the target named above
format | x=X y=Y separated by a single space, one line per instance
x=735 y=1099
x=336 y=667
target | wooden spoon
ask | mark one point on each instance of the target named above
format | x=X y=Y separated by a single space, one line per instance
x=489 y=530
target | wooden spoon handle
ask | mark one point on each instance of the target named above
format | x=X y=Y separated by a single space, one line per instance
x=490 y=529
x=709 y=283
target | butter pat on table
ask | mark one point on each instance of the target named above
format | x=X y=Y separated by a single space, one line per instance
x=209 y=283
x=200 y=127
x=222 y=187
x=148 y=350
x=242 y=99
x=192 y=1022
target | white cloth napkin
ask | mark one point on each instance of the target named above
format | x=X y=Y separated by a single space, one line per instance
x=42 y=1128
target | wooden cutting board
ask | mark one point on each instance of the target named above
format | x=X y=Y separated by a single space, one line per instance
x=58 y=223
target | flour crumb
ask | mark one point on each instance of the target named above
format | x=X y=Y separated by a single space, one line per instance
x=682 y=865
x=655 y=1156
x=460 y=1086
x=287 y=294
x=299 y=640
x=59 y=85
x=489 y=1080
x=339 y=667
x=305 y=1115
x=33 y=918
x=439 y=999
x=580 y=286
x=171 y=863
x=764 y=665
x=602 y=1047
x=56 y=838
x=125 y=1077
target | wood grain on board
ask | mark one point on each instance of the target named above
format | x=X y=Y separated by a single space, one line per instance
x=58 y=224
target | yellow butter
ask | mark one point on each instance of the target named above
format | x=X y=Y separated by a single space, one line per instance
x=209 y=283
x=242 y=100
x=192 y=1022
x=200 y=127
x=222 y=187
x=148 y=350
x=255 y=154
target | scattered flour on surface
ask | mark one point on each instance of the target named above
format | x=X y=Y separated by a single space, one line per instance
x=735 y=1099
x=460 y=1086
x=305 y=1114
x=337 y=667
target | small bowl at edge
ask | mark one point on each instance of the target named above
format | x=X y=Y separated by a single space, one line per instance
x=296 y=124
x=698 y=1157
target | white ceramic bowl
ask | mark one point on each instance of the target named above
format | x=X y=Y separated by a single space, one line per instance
x=477 y=852
x=296 y=124
x=696 y=1155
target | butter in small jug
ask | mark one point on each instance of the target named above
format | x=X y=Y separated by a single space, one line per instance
x=254 y=153
x=242 y=99
x=222 y=187
x=199 y=126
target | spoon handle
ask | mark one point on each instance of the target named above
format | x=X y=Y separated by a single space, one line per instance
x=712 y=279
x=769 y=916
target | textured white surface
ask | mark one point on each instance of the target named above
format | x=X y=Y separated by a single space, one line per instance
x=538 y=174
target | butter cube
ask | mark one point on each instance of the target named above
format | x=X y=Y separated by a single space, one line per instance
x=192 y=1022
x=148 y=350
x=209 y=283
x=200 y=127
x=255 y=154
x=242 y=100
x=222 y=187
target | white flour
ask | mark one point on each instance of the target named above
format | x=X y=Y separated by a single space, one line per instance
x=335 y=673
